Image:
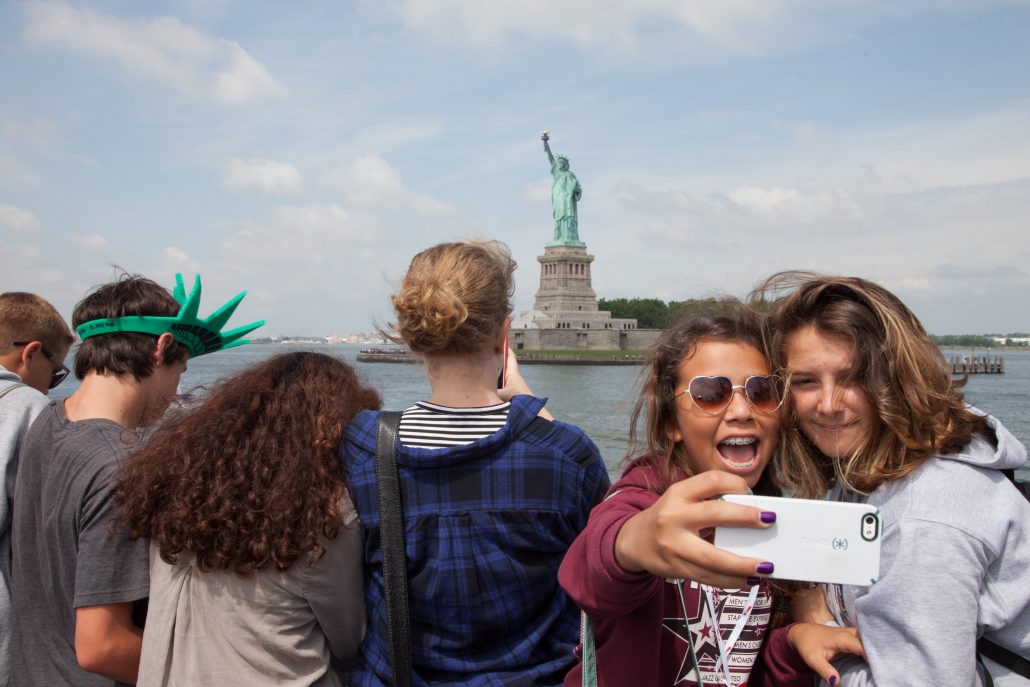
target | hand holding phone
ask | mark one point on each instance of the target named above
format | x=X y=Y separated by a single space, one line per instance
x=811 y=541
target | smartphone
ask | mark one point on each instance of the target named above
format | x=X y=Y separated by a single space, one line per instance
x=502 y=377
x=811 y=541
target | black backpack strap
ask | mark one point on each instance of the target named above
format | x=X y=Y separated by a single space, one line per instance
x=391 y=536
x=1003 y=657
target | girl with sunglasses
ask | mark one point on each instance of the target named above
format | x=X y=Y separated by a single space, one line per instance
x=875 y=417
x=665 y=605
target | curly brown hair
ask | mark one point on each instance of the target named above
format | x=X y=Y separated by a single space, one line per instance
x=250 y=478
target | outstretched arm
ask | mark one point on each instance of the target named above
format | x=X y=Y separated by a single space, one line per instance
x=547 y=149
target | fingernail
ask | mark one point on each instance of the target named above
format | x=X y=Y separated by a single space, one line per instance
x=765 y=568
x=833 y=680
x=767 y=516
x=753 y=581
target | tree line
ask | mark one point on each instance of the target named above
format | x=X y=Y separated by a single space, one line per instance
x=653 y=313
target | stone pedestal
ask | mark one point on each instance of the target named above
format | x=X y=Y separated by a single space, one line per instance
x=565 y=280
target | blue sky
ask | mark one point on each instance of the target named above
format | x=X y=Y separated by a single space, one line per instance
x=304 y=152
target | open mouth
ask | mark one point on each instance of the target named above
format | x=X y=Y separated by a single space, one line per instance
x=738 y=453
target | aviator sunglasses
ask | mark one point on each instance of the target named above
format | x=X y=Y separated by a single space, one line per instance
x=712 y=395
x=60 y=370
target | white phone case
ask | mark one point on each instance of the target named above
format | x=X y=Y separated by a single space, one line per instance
x=811 y=541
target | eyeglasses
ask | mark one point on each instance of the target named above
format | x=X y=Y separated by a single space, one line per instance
x=712 y=395
x=60 y=370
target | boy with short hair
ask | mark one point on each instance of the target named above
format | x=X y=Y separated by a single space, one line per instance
x=79 y=587
x=34 y=341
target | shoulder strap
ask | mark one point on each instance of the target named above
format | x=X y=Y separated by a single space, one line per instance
x=589 y=651
x=1002 y=656
x=391 y=536
x=11 y=388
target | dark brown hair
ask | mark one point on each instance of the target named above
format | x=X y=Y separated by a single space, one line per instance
x=28 y=317
x=250 y=478
x=124 y=353
x=895 y=363
x=730 y=321
x=455 y=297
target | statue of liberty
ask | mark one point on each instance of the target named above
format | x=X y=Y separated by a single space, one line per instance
x=565 y=193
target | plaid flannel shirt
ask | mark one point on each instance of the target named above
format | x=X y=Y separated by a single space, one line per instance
x=486 y=528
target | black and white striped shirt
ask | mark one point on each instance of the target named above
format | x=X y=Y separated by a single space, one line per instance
x=427 y=425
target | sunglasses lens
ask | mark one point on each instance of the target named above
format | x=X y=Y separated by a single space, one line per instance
x=764 y=392
x=711 y=394
x=57 y=377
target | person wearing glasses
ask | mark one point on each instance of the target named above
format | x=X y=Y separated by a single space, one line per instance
x=34 y=340
x=665 y=605
x=874 y=416
x=78 y=588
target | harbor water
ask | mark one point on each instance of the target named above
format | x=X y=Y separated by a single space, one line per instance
x=599 y=398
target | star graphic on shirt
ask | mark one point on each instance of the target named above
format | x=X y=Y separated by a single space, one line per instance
x=705 y=632
x=681 y=628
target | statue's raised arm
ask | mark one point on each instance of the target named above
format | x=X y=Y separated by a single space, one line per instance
x=547 y=148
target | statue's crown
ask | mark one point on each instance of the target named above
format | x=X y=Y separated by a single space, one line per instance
x=200 y=336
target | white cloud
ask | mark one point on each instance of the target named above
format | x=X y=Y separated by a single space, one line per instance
x=538 y=191
x=26 y=267
x=17 y=219
x=92 y=241
x=589 y=23
x=794 y=204
x=370 y=181
x=297 y=235
x=164 y=49
x=175 y=260
x=268 y=176
x=735 y=27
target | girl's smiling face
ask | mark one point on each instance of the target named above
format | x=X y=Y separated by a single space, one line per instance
x=832 y=411
x=740 y=439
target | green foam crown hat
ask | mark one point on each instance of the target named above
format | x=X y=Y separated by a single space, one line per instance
x=200 y=336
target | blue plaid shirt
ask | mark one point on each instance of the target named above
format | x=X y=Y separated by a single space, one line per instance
x=486 y=528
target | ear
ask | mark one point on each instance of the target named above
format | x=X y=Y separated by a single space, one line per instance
x=500 y=345
x=164 y=343
x=673 y=433
x=26 y=356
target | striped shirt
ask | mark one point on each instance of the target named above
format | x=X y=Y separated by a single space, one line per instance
x=427 y=425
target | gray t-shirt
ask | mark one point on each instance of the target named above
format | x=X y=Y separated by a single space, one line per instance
x=64 y=553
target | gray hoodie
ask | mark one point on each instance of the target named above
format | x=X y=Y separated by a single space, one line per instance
x=19 y=406
x=954 y=565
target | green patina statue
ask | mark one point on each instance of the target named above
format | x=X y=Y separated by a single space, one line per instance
x=565 y=193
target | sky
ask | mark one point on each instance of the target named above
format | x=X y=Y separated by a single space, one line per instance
x=304 y=152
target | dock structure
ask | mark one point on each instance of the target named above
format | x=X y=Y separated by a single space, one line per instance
x=962 y=365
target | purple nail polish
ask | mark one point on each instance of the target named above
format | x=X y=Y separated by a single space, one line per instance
x=833 y=680
x=767 y=516
x=753 y=581
x=765 y=568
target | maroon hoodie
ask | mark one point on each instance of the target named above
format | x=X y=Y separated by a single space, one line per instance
x=641 y=621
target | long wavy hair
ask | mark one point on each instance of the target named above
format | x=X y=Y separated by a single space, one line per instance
x=250 y=478
x=896 y=365
x=730 y=321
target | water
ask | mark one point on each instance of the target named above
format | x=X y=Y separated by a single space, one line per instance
x=597 y=398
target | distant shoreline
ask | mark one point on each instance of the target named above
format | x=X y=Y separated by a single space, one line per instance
x=394 y=355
